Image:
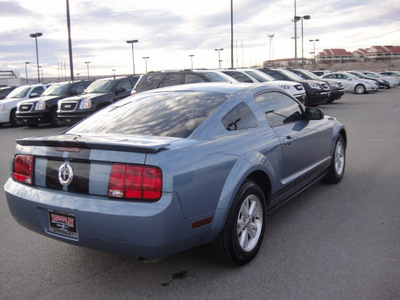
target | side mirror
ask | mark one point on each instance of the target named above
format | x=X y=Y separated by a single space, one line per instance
x=73 y=93
x=120 y=90
x=313 y=113
x=33 y=95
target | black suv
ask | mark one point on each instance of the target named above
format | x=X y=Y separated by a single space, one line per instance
x=154 y=80
x=43 y=109
x=318 y=92
x=337 y=89
x=98 y=95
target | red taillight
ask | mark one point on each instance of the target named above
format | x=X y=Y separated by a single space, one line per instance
x=23 y=168
x=135 y=182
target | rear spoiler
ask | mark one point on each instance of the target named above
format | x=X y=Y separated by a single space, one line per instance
x=98 y=143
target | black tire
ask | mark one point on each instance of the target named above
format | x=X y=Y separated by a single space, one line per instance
x=243 y=232
x=360 y=89
x=338 y=163
x=13 y=119
x=54 y=120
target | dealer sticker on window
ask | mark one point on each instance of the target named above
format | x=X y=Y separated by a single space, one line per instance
x=62 y=223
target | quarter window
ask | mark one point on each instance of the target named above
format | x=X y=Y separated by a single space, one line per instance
x=240 y=117
x=279 y=108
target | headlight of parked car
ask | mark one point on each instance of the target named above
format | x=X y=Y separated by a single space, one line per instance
x=334 y=84
x=85 y=104
x=314 y=86
x=40 y=105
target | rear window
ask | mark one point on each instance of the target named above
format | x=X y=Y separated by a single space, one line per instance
x=175 y=114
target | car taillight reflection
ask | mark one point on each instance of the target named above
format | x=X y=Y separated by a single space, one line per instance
x=23 y=168
x=135 y=182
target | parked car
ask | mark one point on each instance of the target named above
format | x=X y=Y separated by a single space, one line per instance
x=382 y=84
x=4 y=91
x=318 y=92
x=256 y=76
x=98 y=95
x=394 y=82
x=352 y=84
x=320 y=73
x=8 y=105
x=44 y=109
x=166 y=170
x=154 y=80
x=337 y=89
x=390 y=73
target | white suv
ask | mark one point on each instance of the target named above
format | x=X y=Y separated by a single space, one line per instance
x=8 y=105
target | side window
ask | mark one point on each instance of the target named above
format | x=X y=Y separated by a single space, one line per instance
x=330 y=76
x=78 y=88
x=240 y=117
x=125 y=83
x=38 y=90
x=238 y=76
x=148 y=82
x=193 y=78
x=279 y=108
x=172 y=79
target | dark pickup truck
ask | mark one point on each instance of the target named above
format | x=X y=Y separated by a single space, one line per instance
x=98 y=95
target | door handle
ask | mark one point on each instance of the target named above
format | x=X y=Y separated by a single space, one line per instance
x=288 y=141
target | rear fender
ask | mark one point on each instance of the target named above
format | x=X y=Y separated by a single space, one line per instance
x=242 y=169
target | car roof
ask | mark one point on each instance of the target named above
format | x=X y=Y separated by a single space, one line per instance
x=216 y=87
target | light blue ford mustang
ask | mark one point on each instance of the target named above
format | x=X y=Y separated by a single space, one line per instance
x=163 y=171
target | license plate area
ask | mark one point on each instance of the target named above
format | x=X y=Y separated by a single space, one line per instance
x=63 y=224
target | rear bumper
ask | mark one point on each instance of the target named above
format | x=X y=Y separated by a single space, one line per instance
x=140 y=229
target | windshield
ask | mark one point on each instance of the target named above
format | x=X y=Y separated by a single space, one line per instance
x=19 y=92
x=57 y=89
x=261 y=77
x=310 y=75
x=100 y=86
x=217 y=77
x=175 y=114
x=291 y=75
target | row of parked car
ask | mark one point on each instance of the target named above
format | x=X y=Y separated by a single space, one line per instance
x=66 y=103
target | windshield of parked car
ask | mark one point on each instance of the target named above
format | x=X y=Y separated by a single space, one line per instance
x=100 y=86
x=291 y=75
x=19 y=92
x=171 y=114
x=261 y=77
x=217 y=77
x=310 y=75
x=57 y=89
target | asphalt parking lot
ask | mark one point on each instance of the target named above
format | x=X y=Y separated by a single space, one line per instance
x=331 y=242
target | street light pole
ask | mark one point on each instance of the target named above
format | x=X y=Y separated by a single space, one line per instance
x=219 y=56
x=145 y=61
x=133 y=57
x=26 y=71
x=313 y=41
x=231 y=34
x=35 y=36
x=271 y=36
x=87 y=66
x=71 y=63
x=191 y=58
x=297 y=18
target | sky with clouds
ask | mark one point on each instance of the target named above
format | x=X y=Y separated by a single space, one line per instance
x=170 y=31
